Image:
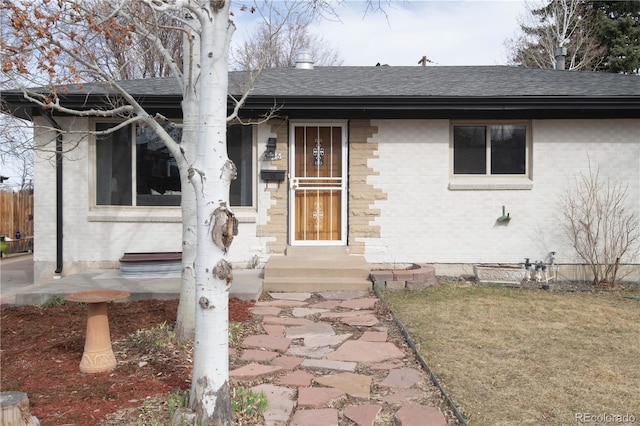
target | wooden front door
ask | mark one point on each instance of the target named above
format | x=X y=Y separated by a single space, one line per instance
x=318 y=184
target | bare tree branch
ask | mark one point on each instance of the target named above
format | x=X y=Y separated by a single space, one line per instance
x=603 y=231
x=547 y=25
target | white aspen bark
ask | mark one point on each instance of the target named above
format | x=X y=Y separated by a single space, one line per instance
x=211 y=176
x=185 y=322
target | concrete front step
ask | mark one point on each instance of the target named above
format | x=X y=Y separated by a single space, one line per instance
x=317 y=251
x=314 y=284
x=316 y=269
x=343 y=267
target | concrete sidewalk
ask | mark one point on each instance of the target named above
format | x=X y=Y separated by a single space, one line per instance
x=17 y=286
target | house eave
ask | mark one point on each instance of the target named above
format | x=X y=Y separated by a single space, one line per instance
x=412 y=102
x=373 y=107
x=450 y=107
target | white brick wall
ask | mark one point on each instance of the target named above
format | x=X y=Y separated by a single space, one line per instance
x=421 y=221
x=99 y=237
x=44 y=196
x=424 y=221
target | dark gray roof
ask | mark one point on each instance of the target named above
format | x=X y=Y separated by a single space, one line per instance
x=385 y=91
x=442 y=81
x=466 y=81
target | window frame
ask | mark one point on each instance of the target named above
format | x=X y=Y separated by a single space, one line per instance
x=487 y=180
x=127 y=213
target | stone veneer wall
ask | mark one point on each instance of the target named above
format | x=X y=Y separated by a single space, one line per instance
x=276 y=225
x=361 y=194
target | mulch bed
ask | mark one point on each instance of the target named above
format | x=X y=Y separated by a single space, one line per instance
x=41 y=349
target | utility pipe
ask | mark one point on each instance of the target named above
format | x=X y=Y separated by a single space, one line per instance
x=47 y=116
x=504 y=217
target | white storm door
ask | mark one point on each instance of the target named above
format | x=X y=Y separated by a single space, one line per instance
x=317 y=184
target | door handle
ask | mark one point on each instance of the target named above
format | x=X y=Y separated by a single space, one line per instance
x=294 y=183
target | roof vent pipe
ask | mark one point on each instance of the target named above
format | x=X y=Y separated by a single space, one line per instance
x=560 y=54
x=304 y=60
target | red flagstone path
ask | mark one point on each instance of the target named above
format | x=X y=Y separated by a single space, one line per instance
x=334 y=358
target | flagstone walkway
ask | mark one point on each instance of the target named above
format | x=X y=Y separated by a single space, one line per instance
x=334 y=358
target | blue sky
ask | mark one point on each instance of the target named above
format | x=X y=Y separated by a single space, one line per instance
x=448 y=32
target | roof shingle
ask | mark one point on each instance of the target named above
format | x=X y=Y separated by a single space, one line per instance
x=449 y=81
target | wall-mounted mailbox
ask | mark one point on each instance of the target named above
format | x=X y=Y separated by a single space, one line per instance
x=272 y=175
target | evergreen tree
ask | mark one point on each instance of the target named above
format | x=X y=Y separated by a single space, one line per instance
x=618 y=31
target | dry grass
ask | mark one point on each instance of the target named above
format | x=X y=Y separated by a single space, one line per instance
x=513 y=356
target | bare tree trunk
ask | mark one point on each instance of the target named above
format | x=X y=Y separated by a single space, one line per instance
x=211 y=176
x=185 y=322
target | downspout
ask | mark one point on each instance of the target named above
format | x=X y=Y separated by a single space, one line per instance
x=55 y=125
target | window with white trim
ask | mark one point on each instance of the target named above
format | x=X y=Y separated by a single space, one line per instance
x=490 y=149
x=134 y=168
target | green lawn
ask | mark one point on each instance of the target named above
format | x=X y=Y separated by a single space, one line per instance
x=509 y=356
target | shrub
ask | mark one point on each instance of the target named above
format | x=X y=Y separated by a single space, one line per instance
x=603 y=231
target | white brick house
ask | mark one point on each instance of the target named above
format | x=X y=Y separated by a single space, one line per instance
x=399 y=164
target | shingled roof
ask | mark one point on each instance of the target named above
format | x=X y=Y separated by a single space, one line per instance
x=383 y=91
x=462 y=81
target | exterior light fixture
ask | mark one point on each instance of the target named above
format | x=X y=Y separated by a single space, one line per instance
x=270 y=153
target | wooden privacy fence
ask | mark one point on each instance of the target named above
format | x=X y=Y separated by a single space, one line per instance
x=16 y=215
